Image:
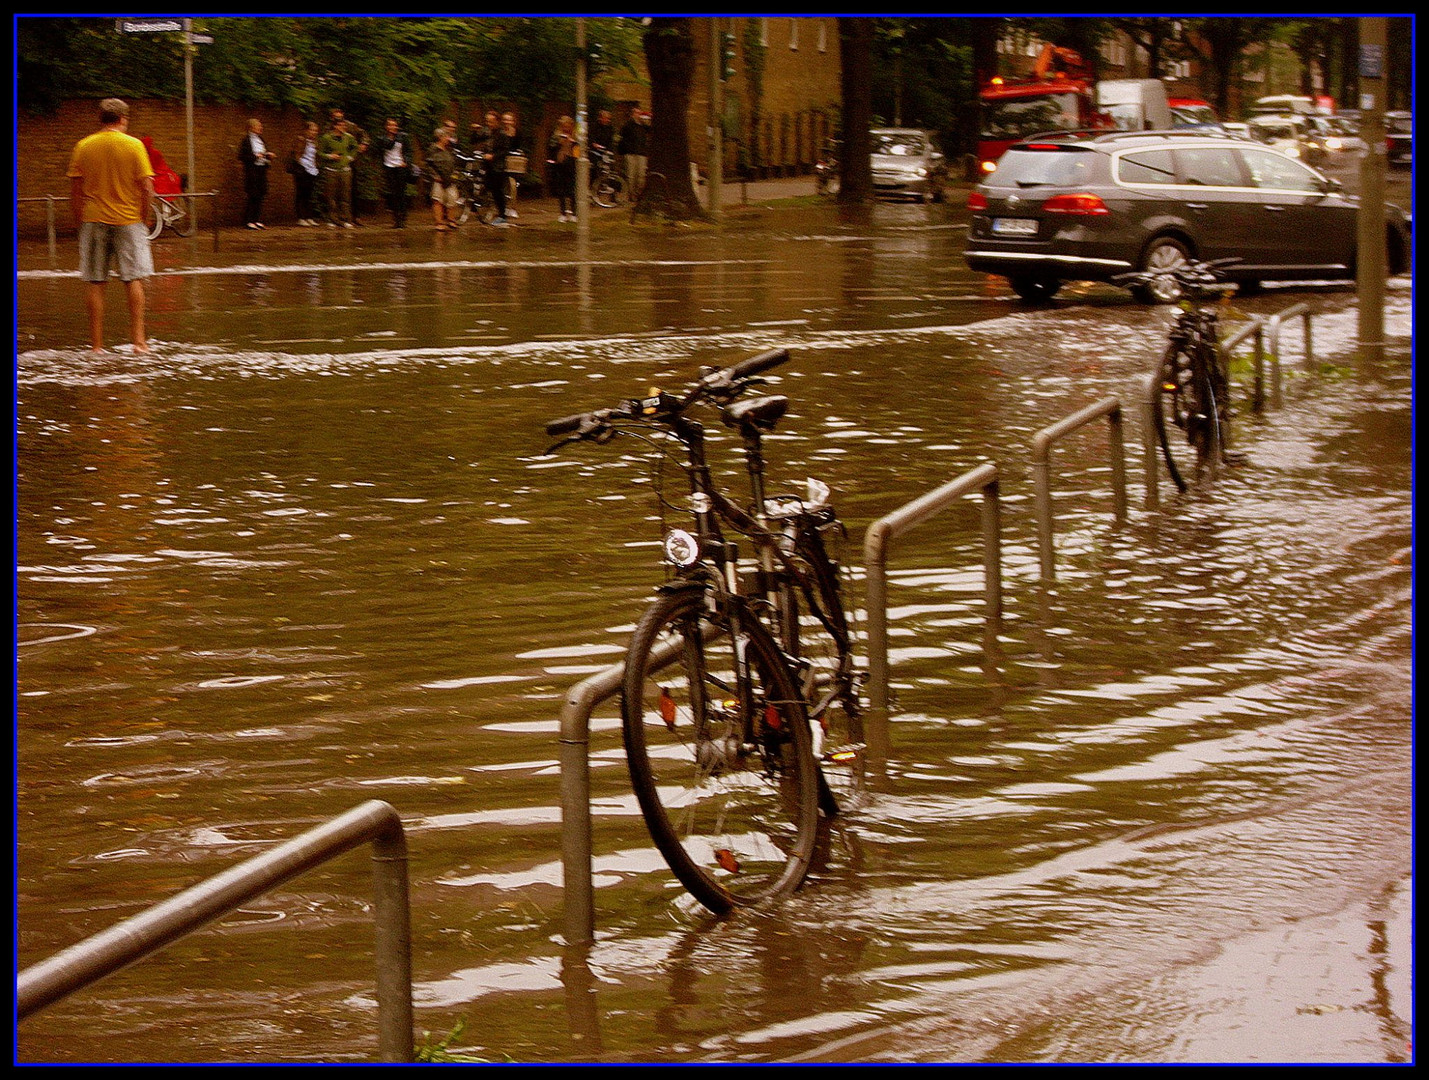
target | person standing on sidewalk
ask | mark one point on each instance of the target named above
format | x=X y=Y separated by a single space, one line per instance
x=111 y=192
x=398 y=166
x=336 y=150
x=303 y=167
x=256 y=159
x=498 y=144
x=561 y=154
x=634 y=146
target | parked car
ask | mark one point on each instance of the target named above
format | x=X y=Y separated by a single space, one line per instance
x=1399 y=137
x=1342 y=137
x=908 y=164
x=1089 y=207
x=1290 y=134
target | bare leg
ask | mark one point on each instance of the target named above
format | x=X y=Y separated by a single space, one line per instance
x=136 y=315
x=94 y=304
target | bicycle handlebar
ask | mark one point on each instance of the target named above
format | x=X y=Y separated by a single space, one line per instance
x=719 y=384
x=1191 y=273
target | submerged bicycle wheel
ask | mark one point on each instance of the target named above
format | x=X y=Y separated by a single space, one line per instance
x=721 y=764
x=1185 y=415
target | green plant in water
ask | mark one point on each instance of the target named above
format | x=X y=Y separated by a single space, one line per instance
x=440 y=1052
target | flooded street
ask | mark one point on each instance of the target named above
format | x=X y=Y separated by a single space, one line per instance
x=310 y=552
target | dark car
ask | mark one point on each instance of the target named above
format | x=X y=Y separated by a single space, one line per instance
x=1399 y=137
x=1089 y=207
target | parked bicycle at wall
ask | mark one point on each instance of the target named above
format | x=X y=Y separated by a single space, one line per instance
x=1191 y=403
x=471 y=188
x=172 y=212
x=607 y=186
x=826 y=170
x=740 y=708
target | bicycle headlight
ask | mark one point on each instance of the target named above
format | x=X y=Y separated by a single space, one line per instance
x=681 y=548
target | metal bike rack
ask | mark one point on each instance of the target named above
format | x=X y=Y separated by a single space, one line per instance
x=373 y=822
x=576 y=864
x=875 y=556
x=1256 y=329
x=1041 y=471
x=1302 y=312
x=51 y=229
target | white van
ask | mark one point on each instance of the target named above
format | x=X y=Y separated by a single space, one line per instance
x=1135 y=104
x=1284 y=103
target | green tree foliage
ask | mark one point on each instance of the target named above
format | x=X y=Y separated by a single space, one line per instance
x=412 y=68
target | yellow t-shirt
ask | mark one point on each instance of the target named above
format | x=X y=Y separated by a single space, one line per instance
x=113 y=166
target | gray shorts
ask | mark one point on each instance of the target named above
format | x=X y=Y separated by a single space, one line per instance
x=126 y=246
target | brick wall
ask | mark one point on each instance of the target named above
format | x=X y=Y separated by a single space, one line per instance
x=44 y=143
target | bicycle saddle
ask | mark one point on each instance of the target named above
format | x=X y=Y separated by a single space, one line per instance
x=761 y=412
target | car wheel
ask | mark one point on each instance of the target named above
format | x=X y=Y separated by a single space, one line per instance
x=1162 y=254
x=1033 y=288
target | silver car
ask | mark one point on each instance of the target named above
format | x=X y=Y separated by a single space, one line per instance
x=908 y=164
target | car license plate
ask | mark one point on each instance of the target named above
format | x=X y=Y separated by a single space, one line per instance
x=1013 y=226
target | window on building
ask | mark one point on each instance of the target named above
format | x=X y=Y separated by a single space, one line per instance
x=794 y=34
x=823 y=35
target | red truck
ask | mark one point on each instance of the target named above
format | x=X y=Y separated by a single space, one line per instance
x=1060 y=95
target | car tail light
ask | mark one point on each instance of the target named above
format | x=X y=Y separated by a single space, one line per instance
x=1080 y=203
x=977 y=201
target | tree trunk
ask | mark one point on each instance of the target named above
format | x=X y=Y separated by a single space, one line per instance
x=670 y=58
x=856 y=79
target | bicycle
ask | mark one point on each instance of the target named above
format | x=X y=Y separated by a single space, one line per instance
x=1192 y=389
x=170 y=212
x=471 y=187
x=758 y=731
x=606 y=185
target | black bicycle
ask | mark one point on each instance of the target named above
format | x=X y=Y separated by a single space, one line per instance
x=1191 y=408
x=606 y=185
x=740 y=706
x=471 y=188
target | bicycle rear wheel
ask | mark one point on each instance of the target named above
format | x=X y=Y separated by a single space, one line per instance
x=179 y=217
x=719 y=753
x=820 y=644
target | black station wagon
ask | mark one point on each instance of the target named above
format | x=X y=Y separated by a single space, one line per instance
x=1083 y=207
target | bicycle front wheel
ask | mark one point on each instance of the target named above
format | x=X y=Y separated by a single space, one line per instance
x=154 y=223
x=606 y=191
x=1181 y=414
x=718 y=745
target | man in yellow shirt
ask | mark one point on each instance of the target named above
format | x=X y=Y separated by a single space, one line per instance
x=111 y=188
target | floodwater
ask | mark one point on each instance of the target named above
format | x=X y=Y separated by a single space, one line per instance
x=310 y=553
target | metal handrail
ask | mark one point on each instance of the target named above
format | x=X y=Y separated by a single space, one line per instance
x=875 y=555
x=51 y=230
x=1041 y=471
x=373 y=822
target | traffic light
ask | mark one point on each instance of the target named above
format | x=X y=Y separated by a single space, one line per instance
x=595 y=58
x=726 y=55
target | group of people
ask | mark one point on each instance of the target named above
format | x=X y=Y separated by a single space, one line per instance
x=322 y=165
x=112 y=184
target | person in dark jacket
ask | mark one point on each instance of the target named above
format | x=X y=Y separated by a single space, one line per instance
x=398 y=167
x=498 y=145
x=257 y=160
x=634 y=146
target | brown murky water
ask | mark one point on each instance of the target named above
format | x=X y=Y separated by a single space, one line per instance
x=309 y=553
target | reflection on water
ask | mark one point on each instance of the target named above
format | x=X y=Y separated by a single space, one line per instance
x=310 y=552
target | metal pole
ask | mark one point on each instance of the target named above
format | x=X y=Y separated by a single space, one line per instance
x=715 y=128
x=1150 y=401
x=1041 y=472
x=582 y=133
x=189 y=111
x=1371 y=263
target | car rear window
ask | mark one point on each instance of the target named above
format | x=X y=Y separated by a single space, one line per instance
x=1147 y=167
x=1060 y=167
